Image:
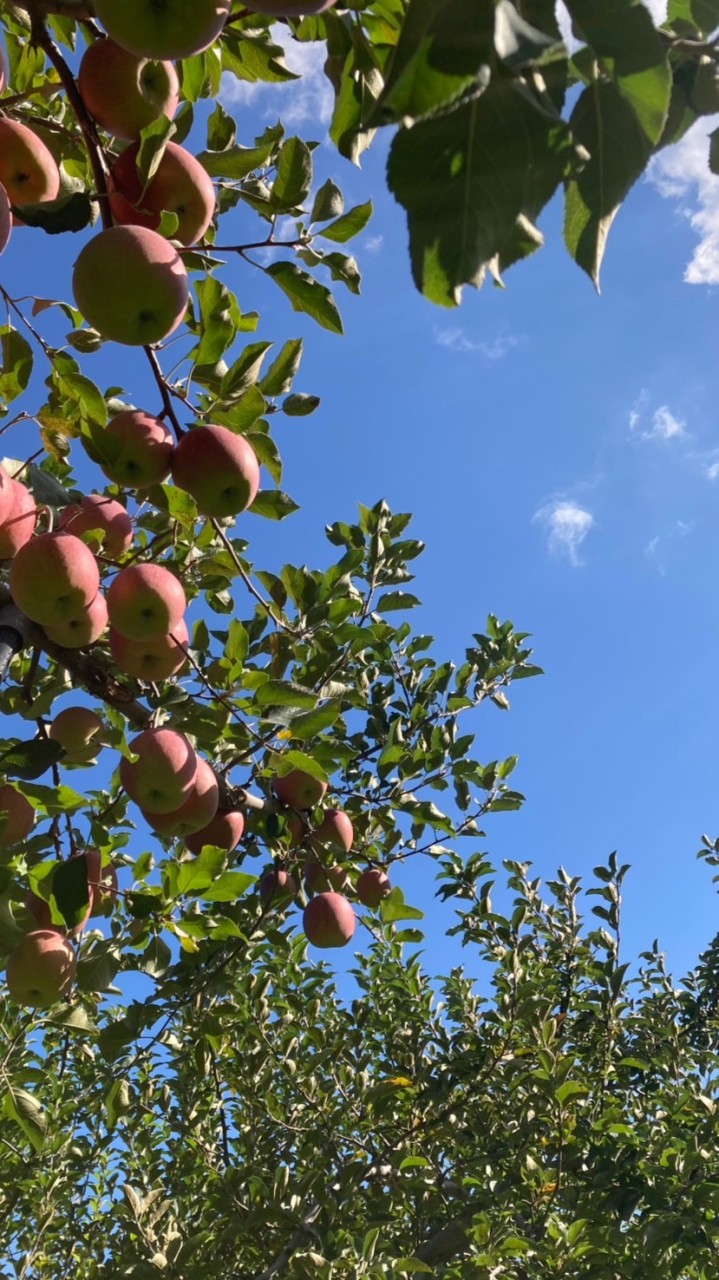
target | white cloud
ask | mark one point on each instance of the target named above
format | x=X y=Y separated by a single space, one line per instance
x=712 y=471
x=567 y=526
x=658 y=546
x=373 y=244
x=662 y=425
x=682 y=173
x=309 y=100
x=457 y=340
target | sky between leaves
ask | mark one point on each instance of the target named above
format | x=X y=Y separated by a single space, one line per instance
x=560 y=452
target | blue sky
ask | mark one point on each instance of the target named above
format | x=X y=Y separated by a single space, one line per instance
x=560 y=452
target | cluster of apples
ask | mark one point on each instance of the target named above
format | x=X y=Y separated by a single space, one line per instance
x=328 y=919
x=130 y=283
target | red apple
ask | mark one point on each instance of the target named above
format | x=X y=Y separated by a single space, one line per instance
x=219 y=468
x=41 y=969
x=372 y=886
x=96 y=511
x=18 y=525
x=170 y=29
x=161 y=779
x=53 y=578
x=17 y=816
x=151 y=660
x=28 y=170
x=329 y=920
x=83 y=630
x=124 y=93
x=334 y=832
x=198 y=809
x=299 y=790
x=79 y=730
x=145 y=602
x=319 y=879
x=141 y=449
x=131 y=285
x=180 y=185
x=277 y=888
x=224 y=832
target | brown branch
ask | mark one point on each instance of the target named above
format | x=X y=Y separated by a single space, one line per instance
x=168 y=410
x=90 y=670
x=279 y=622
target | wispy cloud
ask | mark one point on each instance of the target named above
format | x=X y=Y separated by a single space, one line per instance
x=658 y=424
x=373 y=244
x=567 y=526
x=682 y=173
x=458 y=340
x=659 y=545
x=309 y=100
x=712 y=471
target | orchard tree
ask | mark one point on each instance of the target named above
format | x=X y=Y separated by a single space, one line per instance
x=268 y=751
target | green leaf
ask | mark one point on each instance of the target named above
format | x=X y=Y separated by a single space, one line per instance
x=349 y=225
x=328 y=203
x=284 y=693
x=290 y=760
x=230 y=886
x=605 y=123
x=30 y=759
x=73 y=1017
x=570 y=1089
x=20 y=1106
x=700 y=14
x=235 y=163
x=69 y=212
x=394 y=908
x=299 y=406
x=17 y=362
x=310 y=723
x=245 y=370
x=306 y=294
x=273 y=505
x=283 y=370
x=466 y=177
x=218 y=314
x=200 y=873
x=70 y=889
x=444 y=49
x=396 y=600
x=117 y=1102
x=294 y=176
x=623 y=37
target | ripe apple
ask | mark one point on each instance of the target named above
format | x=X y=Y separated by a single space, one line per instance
x=224 y=832
x=17 y=816
x=168 y=29
x=180 y=185
x=198 y=809
x=277 y=888
x=219 y=468
x=7 y=489
x=18 y=525
x=334 y=832
x=98 y=512
x=5 y=219
x=53 y=578
x=41 y=969
x=145 y=602
x=82 y=630
x=151 y=660
x=329 y=920
x=299 y=790
x=131 y=285
x=28 y=170
x=161 y=779
x=141 y=448
x=124 y=93
x=289 y=8
x=79 y=730
x=372 y=886
x=319 y=879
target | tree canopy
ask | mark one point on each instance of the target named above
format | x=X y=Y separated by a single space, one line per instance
x=198 y=1094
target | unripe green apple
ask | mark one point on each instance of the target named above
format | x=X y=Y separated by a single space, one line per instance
x=180 y=185
x=96 y=511
x=131 y=285
x=18 y=525
x=299 y=790
x=329 y=920
x=334 y=832
x=125 y=93
x=224 y=832
x=372 y=886
x=53 y=578
x=17 y=816
x=145 y=602
x=161 y=779
x=163 y=28
x=41 y=969
x=277 y=888
x=82 y=630
x=141 y=447
x=198 y=809
x=219 y=468
x=79 y=731
x=28 y=170
x=151 y=660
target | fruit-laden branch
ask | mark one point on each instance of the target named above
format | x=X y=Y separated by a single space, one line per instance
x=97 y=678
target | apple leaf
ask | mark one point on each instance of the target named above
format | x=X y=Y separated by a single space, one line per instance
x=229 y=887
x=349 y=225
x=329 y=203
x=31 y=759
x=20 y=1106
x=273 y=505
x=306 y=294
x=294 y=176
x=299 y=406
x=281 y=373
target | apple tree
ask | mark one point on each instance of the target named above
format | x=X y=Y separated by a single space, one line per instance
x=212 y=769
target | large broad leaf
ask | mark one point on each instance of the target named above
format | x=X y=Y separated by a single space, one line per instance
x=630 y=50
x=467 y=176
x=703 y=15
x=443 y=49
x=605 y=123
